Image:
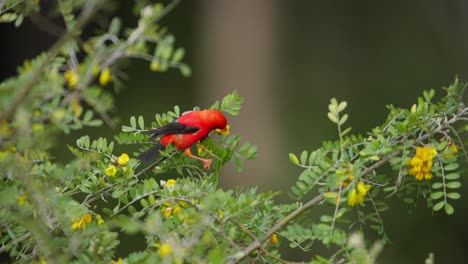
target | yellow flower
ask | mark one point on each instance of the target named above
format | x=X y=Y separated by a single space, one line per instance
x=356 y=195
x=453 y=148
x=82 y=222
x=72 y=78
x=39 y=260
x=165 y=249
x=154 y=66
x=5 y=128
x=363 y=188
x=99 y=220
x=77 y=109
x=37 y=127
x=123 y=159
x=95 y=71
x=353 y=198
x=111 y=171
x=200 y=149
x=167 y=211
x=421 y=164
x=22 y=199
x=105 y=77
x=274 y=238
x=171 y=208
x=119 y=261
x=170 y=184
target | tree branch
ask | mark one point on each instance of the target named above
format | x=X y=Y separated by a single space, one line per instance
x=88 y=11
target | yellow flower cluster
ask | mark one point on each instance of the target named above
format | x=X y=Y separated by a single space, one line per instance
x=421 y=164
x=111 y=171
x=105 y=77
x=85 y=220
x=22 y=199
x=169 y=209
x=72 y=78
x=356 y=195
x=165 y=249
x=118 y=261
x=274 y=239
x=169 y=184
x=82 y=222
x=122 y=160
x=453 y=148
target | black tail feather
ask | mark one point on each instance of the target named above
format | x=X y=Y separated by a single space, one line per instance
x=151 y=154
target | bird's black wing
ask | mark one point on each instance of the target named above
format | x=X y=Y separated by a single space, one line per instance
x=172 y=128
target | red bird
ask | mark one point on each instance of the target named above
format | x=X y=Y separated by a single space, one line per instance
x=186 y=131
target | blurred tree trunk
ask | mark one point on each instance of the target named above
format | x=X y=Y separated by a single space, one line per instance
x=238 y=52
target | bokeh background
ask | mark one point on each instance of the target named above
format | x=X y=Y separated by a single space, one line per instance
x=287 y=59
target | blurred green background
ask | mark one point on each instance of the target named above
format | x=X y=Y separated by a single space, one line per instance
x=287 y=59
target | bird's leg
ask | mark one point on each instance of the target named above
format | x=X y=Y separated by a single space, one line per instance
x=206 y=162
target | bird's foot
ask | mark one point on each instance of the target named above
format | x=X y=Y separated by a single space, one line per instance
x=207 y=164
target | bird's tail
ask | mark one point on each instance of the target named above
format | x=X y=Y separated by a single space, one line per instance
x=151 y=154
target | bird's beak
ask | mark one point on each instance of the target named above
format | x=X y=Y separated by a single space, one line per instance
x=224 y=131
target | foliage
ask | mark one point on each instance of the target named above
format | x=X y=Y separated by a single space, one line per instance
x=79 y=212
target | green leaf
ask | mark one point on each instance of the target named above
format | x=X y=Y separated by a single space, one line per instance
x=436 y=195
x=342 y=106
x=19 y=20
x=114 y=27
x=244 y=148
x=452 y=166
x=453 y=185
x=141 y=122
x=127 y=129
x=88 y=115
x=144 y=203
x=185 y=70
x=437 y=185
x=293 y=159
x=232 y=103
x=439 y=205
x=343 y=119
x=453 y=195
x=8 y=17
x=452 y=176
x=449 y=209
x=133 y=122
x=94 y=123
x=346 y=131
x=252 y=153
x=332 y=117
x=177 y=110
x=303 y=158
x=333 y=109
x=178 y=55
x=441 y=145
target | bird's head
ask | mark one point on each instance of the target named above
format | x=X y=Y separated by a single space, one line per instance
x=219 y=122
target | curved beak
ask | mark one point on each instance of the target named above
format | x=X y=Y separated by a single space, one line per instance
x=224 y=131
